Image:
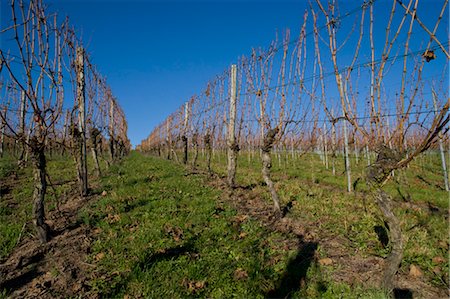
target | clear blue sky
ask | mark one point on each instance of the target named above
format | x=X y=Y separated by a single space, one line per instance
x=157 y=54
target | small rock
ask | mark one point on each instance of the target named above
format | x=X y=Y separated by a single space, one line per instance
x=326 y=261
x=104 y=193
x=415 y=271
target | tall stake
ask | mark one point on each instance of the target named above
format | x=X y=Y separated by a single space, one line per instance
x=21 y=141
x=82 y=120
x=231 y=140
x=325 y=144
x=441 y=147
x=184 y=137
x=111 y=129
x=347 y=160
x=2 y=133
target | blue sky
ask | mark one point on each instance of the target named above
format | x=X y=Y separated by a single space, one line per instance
x=157 y=54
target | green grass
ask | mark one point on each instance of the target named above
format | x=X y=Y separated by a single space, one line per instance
x=165 y=234
x=16 y=206
x=320 y=198
x=161 y=232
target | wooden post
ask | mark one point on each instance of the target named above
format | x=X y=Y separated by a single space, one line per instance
x=367 y=154
x=184 y=137
x=111 y=129
x=65 y=130
x=3 y=128
x=22 y=143
x=168 y=140
x=325 y=144
x=333 y=144
x=346 y=150
x=231 y=140
x=82 y=119
x=441 y=147
x=2 y=133
x=22 y=113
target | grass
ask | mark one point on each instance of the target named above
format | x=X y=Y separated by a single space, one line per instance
x=166 y=235
x=321 y=198
x=162 y=232
x=16 y=204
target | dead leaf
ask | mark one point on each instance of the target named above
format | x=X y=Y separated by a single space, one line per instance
x=99 y=256
x=438 y=260
x=104 y=193
x=200 y=284
x=443 y=244
x=240 y=218
x=240 y=274
x=113 y=218
x=242 y=235
x=76 y=287
x=415 y=271
x=325 y=261
x=437 y=270
x=194 y=286
x=97 y=230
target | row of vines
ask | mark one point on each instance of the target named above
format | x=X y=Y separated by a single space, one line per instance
x=342 y=86
x=53 y=100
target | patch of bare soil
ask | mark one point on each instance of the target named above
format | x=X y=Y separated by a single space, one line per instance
x=350 y=266
x=57 y=269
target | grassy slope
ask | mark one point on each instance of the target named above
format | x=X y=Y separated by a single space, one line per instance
x=162 y=233
x=321 y=198
x=15 y=200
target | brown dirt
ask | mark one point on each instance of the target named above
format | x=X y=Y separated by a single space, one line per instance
x=350 y=266
x=57 y=269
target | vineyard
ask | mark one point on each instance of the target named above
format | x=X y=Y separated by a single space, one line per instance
x=314 y=167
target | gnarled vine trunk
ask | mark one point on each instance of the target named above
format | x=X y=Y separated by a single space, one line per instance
x=393 y=260
x=184 y=140
x=40 y=188
x=76 y=152
x=377 y=175
x=112 y=149
x=233 y=149
x=169 y=149
x=195 y=145
x=266 y=149
x=207 y=140
x=95 y=133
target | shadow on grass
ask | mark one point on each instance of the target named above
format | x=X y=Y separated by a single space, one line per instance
x=382 y=234
x=287 y=208
x=403 y=294
x=294 y=277
x=148 y=261
x=166 y=254
x=17 y=282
